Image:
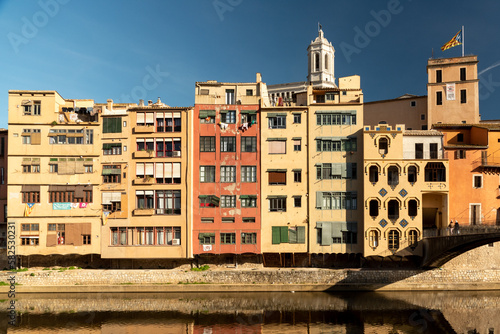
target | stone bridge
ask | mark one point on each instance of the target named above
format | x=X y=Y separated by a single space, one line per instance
x=440 y=249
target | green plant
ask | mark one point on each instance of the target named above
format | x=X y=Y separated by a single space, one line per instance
x=46 y=269
x=202 y=268
x=2 y=283
x=32 y=274
x=53 y=123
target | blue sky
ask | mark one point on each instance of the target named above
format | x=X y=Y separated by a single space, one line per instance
x=131 y=49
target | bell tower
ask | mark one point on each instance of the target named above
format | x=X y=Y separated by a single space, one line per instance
x=321 y=61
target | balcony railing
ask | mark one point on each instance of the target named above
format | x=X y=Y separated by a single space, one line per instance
x=467 y=229
x=489 y=162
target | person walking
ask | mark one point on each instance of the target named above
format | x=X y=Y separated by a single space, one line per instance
x=457 y=228
x=450 y=227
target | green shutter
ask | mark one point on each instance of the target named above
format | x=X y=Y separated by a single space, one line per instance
x=319 y=199
x=301 y=234
x=284 y=233
x=292 y=236
x=276 y=235
x=326 y=234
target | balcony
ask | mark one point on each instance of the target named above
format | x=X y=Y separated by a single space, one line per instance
x=144 y=129
x=144 y=181
x=487 y=163
x=144 y=212
x=144 y=154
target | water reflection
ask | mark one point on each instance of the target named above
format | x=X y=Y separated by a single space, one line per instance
x=362 y=312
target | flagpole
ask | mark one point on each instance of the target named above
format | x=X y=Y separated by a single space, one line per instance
x=463 y=41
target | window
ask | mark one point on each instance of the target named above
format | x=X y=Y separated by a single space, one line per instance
x=439 y=76
x=374 y=206
x=207 y=220
x=433 y=150
x=165 y=147
x=207 y=173
x=228 y=174
x=297 y=176
x=227 y=220
x=147 y=236
x=111 y=149
x=248 y=238
x=207 y=144
x=209 y=201
x=37 y=108
x=413 y=103
x=86 y=239
x=228 y=144
x=412 y=174
x=277 y=145
x=297 y=201
x=328 y=171
x=419 y=151
x=228 y=201
x=248 y=173
x=111 y=125
x=422 y=117
x=297 y=144
x=316 y=62
x=412 y=208
x=228 y=238
x=89 y=136
x=285 y=234
x=460 y=138
x=30 y=227
x=336 y=200
x=463 y=74
x=249 y=92
x=413 y=238
x=248 y=219
x=439 y=98
x=383 y=145
x=393 y=176
x=30 y=241
x=248 y=201
x=31 y=168
x=277 y=204
x=463 y=96
x=248 y=144
x=70 y=136
x=144 y=199
x=168 y=202
x=393 y=240
x=336 y=118
x=229 y=96
x=228 y=116
x=277 y=121
x=206 y=238
x=26 y=110
x=277 y=177
x=373 y=238
x=31 y=196
x=297 y=118
x=336 y=233
x=435 y=172
x=320 y=98
x=168 y=122
x=112 y=205
x=207 y=116
x=71 y=194
x=373 y=174
x=111 y=173
x=336 y=145
x=393 y=209
x=477 y=181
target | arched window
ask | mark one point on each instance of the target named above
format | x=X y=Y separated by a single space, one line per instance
x=373 y=238
x=373 y=208
x=373 y=174
x=326 y=62
x=393 y=240
x=316 y=61
x=413 y=238
x=383 y=145
x=393 y=176
x=435 y=172
x=412 y=174
x=412 y=208
x=393 y=209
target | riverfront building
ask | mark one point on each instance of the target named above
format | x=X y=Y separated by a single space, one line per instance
x=226 y=182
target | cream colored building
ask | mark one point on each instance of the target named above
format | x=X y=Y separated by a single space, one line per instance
x=408 y=109
x=53 y=191
x=335 y=150
x=405 y=189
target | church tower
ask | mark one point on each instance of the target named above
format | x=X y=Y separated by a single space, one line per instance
x=321 y=56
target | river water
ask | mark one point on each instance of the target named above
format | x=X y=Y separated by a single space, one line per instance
x=211 y=313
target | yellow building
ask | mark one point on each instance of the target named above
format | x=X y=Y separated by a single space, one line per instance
x=335 y=150
x=405 y=189
x=53 y=191
x=149 y=180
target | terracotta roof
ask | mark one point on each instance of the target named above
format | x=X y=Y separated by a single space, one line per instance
x=422 y=133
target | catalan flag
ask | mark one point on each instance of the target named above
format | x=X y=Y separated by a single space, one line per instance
x=105 y=215
x=456 y=40
x=28 y=209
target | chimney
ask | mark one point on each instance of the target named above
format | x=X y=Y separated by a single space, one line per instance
x=259 y=77
x=150 y=102
x=141 y=103
x=110 y=104
x=158 y=101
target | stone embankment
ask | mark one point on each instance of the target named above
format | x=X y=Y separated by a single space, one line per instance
x=248 y=280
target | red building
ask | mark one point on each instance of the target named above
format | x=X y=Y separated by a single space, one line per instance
x=226 y=168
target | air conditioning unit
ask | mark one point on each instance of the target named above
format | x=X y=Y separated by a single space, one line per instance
x=176 y=242
x=176 y=153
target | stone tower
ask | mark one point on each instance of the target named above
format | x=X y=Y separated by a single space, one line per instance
x=321 y=61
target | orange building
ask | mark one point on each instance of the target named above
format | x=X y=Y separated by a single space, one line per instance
x=226 y=168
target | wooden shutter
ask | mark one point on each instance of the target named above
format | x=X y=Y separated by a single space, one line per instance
x=284 y=233
x=301 y=234
x=276 y=235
